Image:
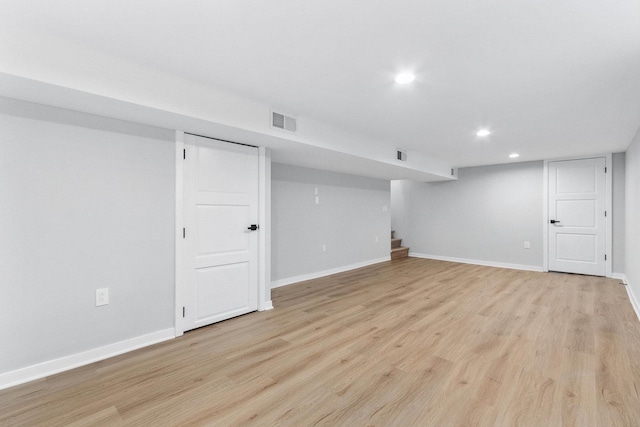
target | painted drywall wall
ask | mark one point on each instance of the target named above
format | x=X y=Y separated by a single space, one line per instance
x=618 y=206
x=85 y=203
x=486 y=215
x=350 y=220
x=632 y=213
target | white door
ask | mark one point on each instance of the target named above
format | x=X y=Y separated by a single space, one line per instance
x=221 y=251
x=577 y=217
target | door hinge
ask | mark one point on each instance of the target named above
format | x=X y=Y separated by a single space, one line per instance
x=605 y=213
x=183 y=311
x=184 y=233
x=605 y=257
x=184 y=153
x=605 y=169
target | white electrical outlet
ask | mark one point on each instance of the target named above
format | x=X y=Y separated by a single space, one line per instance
x=376 y=238
x=324 y=248
x=317 y=200
x=102 y=297
x=527 y=244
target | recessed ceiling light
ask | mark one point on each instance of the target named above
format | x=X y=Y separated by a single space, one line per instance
x=483 y=132
x=514 y=155
x=404 y=78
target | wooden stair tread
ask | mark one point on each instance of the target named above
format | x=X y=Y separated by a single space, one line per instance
x=397 y=250
x=401 y=252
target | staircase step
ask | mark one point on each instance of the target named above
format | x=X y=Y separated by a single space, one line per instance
x=392 y=236
x=396 y=243
x=401 y=252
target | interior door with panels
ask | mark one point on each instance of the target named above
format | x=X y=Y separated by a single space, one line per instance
x=221 y=243
x=577 y=216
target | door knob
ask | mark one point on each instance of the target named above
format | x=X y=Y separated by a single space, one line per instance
x=253 y=227
x=553 y=221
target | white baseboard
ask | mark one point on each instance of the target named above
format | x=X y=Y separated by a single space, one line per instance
x=620 y=276
x=479 y=262
x=632 y=296
x=51 y=367
x=302 y=278
x=266 y=305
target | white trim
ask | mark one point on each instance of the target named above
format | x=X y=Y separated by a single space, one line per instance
x=264 y=207
x=608 y=206
x=478 y=262
x=634 y=301
x=620 y=276
x=317 y=275
x=545 y=216
x=632 y=296
x=609 y=209
x=51 y=367
x=179 y=218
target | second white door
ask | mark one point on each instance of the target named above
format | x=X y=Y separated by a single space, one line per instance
x=577 y=217
x=221 y=250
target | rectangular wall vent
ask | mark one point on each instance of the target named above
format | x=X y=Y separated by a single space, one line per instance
x=401 y=155
x=280 y=121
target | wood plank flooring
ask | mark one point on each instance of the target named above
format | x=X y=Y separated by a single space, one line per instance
x=410 y=342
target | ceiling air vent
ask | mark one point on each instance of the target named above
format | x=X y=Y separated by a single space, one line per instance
x=283 y=122
x=401 y=155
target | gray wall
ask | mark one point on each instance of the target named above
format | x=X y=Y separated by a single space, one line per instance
x=632 y=216
x=348 y=219
x=85 y=203
x=486 y=215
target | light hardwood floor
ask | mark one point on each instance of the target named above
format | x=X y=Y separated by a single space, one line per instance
x=411 y=342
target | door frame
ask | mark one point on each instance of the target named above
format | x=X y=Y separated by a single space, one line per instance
x=608 y=206
x=264 y=232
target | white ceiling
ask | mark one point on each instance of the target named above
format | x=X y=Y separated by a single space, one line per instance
x=550 y=78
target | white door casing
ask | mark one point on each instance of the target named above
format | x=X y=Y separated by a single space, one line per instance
x=577 y=216
x=218 y=277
